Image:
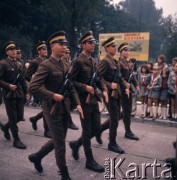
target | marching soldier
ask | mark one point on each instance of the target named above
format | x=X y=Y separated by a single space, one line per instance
x=19 y=58
x=19 y=54
x=13 y=93
x=46 y=83
x=126 y=92
x=109 y=70
x=82 y=75
x=42 y=51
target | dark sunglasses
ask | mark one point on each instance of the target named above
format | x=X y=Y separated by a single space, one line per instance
x=113 y=46
x=90 y=42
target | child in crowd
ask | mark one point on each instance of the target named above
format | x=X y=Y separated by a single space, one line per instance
x=172 y=90
x=155 y=83
x=149 y=64
x=143 y=82
x=164 y=94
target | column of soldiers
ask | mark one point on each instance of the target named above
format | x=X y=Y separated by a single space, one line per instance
x=55 y=83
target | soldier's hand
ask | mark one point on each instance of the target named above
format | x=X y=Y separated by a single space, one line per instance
x=113 y=85
x=79 y=108
x=128 y=85
x=58 y=97
x=90 y=89
x=13 y=87
x=105 y=94
x=27 y=97
x=174 y=91
x=127 y=91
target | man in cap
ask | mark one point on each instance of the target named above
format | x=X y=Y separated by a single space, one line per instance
x=81 y=74
x=109 y=70
x=42 y=55
x=46 y=84
x=124 y=51
x=66 y=58
x=19 y=53
x=13 y=94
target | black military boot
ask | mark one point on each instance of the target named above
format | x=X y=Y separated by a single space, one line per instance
x=113 y=146
x=91 y=164
x=74 y=145
x=47 y=134
x=5 y=129
x=34 y=120
x=64 y=173
x=36 y=159
x=18 y=144
x=71 y=125
x=130 y=135
x=98 y=139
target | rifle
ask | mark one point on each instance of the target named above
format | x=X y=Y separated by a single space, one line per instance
x=116 y=79
x=132 y=87
x=16 y=80
x=93 y=83
x=61 y=91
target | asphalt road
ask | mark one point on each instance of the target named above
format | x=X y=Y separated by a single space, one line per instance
x=154 y=146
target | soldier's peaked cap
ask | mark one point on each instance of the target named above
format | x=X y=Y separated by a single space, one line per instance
x=58 y=37
x=123 y=46
x=41 y=45
x=109 y=41
x=88 y=36
x=9 y=45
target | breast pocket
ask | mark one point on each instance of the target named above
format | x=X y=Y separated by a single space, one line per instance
x=10 y=73
x=57 y=76
x=86 y=72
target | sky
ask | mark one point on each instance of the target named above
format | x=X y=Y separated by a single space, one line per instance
x=169 y=6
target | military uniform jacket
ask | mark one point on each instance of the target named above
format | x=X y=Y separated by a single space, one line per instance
x=126 y=71
x=81 y=75
x=8 y=73
x=32 y=68
x=48 y=80
x=172 y=82
x=107 y=69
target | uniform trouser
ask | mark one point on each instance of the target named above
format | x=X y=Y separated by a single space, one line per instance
x=46 y=128
x=113 y=107
x=39 y=116
x=126 y=107
x=15 y=113
x=90 y=127
x=133 y=104
x=58 y=128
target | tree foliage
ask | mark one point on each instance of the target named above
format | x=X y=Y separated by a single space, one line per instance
x=30 y=21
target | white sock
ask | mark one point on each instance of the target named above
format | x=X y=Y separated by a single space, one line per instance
x=162 y=112
x=155 y=111
x=151 y=111
x=145 y=109
x=142 y=108
x=165 y=113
